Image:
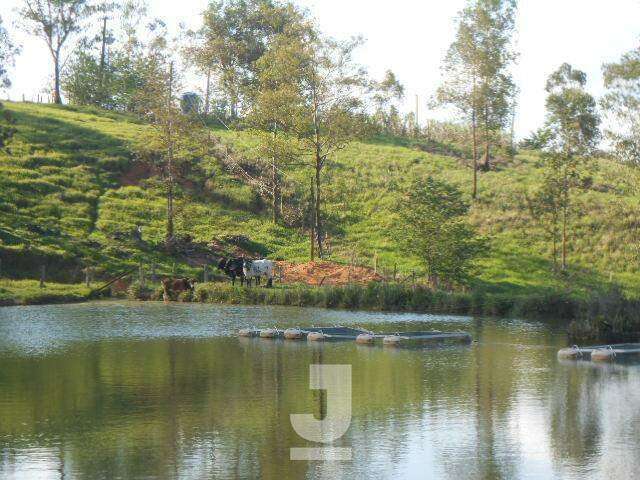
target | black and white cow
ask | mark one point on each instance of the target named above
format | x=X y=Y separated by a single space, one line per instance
x=233 y=267
x=258 y=268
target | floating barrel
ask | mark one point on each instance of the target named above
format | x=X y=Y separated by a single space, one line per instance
x=316 y=337
x=393 y=340
x=572 y=353
x=246 y=332
x=293 y=334
x=268 y=333
x=603 y=355
x=365 y=338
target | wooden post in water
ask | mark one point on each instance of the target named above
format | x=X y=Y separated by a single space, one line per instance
x=43 y=273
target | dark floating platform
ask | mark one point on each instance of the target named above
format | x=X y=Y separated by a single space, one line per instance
x=319 y=334
x=600 y=353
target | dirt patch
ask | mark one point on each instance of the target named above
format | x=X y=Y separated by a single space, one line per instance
x=326 y=273
x=138 y=172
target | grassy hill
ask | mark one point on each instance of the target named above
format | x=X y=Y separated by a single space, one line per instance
x=72 y=193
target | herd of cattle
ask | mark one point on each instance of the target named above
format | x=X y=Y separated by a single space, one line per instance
x=246 y=270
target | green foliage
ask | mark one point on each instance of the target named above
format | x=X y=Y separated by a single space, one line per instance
x=28 y=292
x=622 y=104
x=571 y=135
x=72 y=194
x=434 y=227
x=8 y=50
x=477 y=80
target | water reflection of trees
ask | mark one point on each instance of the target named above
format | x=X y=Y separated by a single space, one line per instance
x=174 y=408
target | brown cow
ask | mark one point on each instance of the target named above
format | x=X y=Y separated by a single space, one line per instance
x=174 y=286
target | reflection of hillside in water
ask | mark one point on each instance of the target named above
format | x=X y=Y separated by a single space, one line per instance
x=195 y=406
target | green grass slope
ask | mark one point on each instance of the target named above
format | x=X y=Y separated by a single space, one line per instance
x=71 y=192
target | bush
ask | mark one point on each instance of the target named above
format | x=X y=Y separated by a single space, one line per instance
x=140 y=292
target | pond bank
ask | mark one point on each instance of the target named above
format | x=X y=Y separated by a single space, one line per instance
x=28 y=292
x=605 y=316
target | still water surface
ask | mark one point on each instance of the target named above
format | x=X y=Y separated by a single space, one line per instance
x=128 y=390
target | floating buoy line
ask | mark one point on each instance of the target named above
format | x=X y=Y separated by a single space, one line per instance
x=360 y=336
x=601 y=353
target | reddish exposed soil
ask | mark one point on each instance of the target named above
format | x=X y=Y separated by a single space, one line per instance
x=326 y=273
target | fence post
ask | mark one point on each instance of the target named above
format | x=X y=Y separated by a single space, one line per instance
x=43 y=273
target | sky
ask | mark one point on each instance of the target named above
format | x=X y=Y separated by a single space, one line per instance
x=411 y=38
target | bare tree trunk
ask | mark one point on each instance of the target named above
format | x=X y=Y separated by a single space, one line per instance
x=312 y=229
x=170 y=179
x=565 y=213
x=103 y=55
x=319 y=162
x=487 y=154
x=275 y=180
x=169 y=234
x=474 y=132
x=207 y=94
x=487 y=140
x=56 y=81
x=317 y=206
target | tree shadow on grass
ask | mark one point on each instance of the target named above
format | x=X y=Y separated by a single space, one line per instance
x=576 y=279
x=76 y=142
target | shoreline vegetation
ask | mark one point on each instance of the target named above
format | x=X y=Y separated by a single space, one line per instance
x=605 y=316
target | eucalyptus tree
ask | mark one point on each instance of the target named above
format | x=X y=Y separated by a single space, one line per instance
x=477 y=79
x=622 y=104
x=8 y=51
x=276 y=111
x=333 y=89
x=175 y=141
x=234 y=35
x=572 y=134
x=386 y=94
x=55 y=22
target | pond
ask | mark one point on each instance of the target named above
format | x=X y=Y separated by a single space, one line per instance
x=130 y=390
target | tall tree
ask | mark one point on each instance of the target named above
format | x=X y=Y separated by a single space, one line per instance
x=8 y=51
x=622 y=104
x=386 y=94
x=235 y=34
x=333 y=87
x=276 y=110
x=175 y=141
x=55 y=21
x=477 y=80
x=572 y=135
